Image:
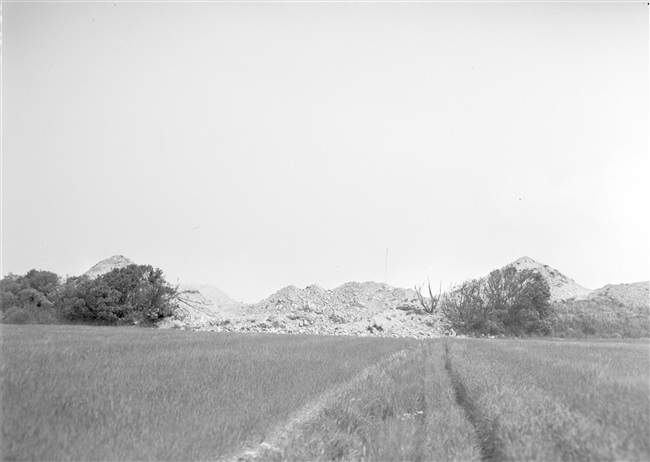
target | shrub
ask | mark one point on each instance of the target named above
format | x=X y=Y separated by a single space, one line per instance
x=15 y=315
x=135 y=294
x=30 y=314
x=29 y=299
x=600 y=317
x=507 y=301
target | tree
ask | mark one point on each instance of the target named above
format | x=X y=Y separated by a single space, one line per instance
x=9 y=288
x=35 y=287
x=72 y=300
x=46 y=282
x=29 y=298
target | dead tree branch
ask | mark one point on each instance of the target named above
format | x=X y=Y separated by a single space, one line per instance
x=431 y=304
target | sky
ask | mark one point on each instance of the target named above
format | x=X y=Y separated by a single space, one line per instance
x=256 y=145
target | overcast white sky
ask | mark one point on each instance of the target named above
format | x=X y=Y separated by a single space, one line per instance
x=256 y=145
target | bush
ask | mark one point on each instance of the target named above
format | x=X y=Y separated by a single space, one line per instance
x=506 y=302
x=30 y=314
x=29 y=299
x=34 y=288
x=135 y=294
x=600 y=317
x=15 y=315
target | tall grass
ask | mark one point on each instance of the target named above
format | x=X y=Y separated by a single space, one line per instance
x=405 y=411
x=93 y=393
x=489 y=400
x=559 y=400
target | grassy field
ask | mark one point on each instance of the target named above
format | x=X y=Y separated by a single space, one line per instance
x=557 y=400
x=78 y=393
x=91 y=393
x=470 y=399
x=407 y=411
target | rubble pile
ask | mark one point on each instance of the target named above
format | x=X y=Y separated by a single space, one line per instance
x=635 y=295
x=361 y=309
x=562 y=287
x=194 y=311
x=354 y=308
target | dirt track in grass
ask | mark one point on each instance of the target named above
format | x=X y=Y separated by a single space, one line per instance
x=277 y=437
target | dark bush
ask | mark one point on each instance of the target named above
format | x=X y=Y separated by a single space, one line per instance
x=506 y=302
x=29 y=299
x=135 y=294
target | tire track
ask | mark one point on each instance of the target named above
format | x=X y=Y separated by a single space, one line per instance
x=490 y=445
x=279 y=435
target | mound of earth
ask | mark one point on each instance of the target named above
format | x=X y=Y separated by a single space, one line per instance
x=353 y=308
x=216 y=296
x=354 y=298
x=194 y=311
x=635 y=295
x=201 y=306
x=108 y=265
x=562 y=287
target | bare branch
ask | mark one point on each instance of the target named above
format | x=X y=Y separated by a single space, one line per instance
x=432 y=303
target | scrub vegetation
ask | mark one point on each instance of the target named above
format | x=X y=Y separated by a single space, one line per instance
x=600 y=317
x=506 y=302
x=135 y=294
